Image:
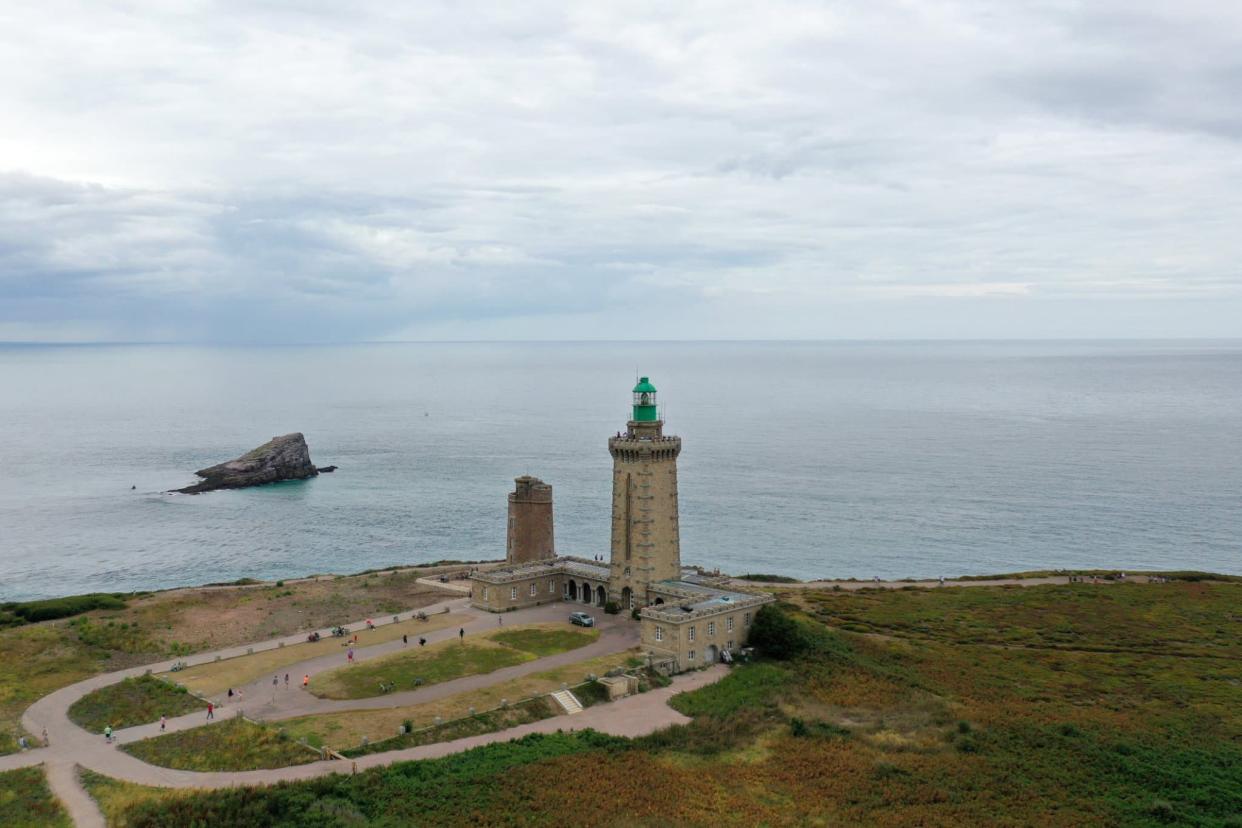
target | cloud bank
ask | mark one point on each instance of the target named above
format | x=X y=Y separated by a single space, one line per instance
x=316 y=172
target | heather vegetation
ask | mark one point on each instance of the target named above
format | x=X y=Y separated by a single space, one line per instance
x=27 y=802
x=1078 y=705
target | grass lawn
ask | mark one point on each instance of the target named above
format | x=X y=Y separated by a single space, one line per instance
x=231 y=745
x=27 y=802
x=134 y=701
x=1117 y=705
x=37 y=659
x=217 y=677
x=345 y=730
x=447 y=660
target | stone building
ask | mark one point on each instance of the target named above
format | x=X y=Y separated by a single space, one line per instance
x=529 y=535
x=687 y=621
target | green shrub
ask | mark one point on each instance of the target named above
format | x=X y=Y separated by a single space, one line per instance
x=612 y=607
x=31 y=612
x=776 y=634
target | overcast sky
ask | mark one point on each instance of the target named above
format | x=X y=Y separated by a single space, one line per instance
x=326 y=171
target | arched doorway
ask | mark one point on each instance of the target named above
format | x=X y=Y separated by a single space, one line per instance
x=627 y=598
x=586 y=593
x=711 y=654
x=571 y=590
x=659 y=600
x=601 y=596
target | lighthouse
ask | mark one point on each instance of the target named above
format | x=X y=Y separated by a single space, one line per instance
x=646 y=546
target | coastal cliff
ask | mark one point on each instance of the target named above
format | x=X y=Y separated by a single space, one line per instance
x=281 y=458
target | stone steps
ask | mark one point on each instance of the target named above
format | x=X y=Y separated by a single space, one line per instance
x=568 y=701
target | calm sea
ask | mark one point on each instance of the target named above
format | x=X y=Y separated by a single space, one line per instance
x=810 y=459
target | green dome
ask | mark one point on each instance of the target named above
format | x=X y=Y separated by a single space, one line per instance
x=644 y=386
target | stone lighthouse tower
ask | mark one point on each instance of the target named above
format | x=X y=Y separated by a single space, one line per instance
x=529 y=537
x=645 y=535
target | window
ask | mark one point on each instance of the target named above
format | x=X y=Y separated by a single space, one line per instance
x=532 y=589
x=711 y=627
x=729 y=645
x=659 y=633
x=692 y=655
x=513 y=593
x=484 y=593
x=746 y=620
x=551 y=585
x=690 y=637
x=729 y=625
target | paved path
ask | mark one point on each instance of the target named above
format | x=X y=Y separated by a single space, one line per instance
x=70 y=745
x=928 y=584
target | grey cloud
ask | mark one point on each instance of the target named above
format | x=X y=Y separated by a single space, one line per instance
x=395 y=170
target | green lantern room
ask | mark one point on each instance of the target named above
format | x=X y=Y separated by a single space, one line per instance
x=645 y=402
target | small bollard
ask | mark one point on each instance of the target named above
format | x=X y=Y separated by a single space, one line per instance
x=217 y=658
x=504 y=702
x=365 y=741
x=281 y=644
x=471 y=711
x=250 y=651
x=396 y=618
x=438 y=721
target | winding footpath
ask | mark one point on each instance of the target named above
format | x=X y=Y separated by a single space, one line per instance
x=70 y=746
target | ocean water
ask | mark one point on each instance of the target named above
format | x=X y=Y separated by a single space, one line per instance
x=809 y=459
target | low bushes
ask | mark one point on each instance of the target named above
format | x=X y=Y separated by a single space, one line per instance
x=14 y=613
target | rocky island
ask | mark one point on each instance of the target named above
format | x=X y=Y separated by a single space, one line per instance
x=280 y=458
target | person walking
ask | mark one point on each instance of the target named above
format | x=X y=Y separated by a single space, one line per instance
x=405 y=639
x=46 y=743
x=422 y=642
x=286 y=681
x=230 y=694
x=500 y=620
x=461 y=634
x=163 y=722
x=275 y=681
x=350 y=655
x=108 y=734
x=305 y=681
x=211 y=711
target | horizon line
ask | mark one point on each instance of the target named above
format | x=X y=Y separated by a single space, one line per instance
x=757 y=340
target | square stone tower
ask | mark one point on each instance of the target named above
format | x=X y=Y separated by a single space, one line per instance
x=646 y=545
x=529 y=537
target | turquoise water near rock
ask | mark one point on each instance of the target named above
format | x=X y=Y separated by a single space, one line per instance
x=810 y=459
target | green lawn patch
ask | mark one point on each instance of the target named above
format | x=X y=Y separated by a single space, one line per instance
x=408 y=670
x=231 y=745
x=134 y=701
x=541 y=642
x=27 y=802
x=531 y=710
x=446 y=661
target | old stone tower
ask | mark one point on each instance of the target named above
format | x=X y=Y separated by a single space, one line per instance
x=530 y=522
x=645 y=537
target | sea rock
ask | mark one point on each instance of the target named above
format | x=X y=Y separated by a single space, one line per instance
x=281 y=458
x=327 y=469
